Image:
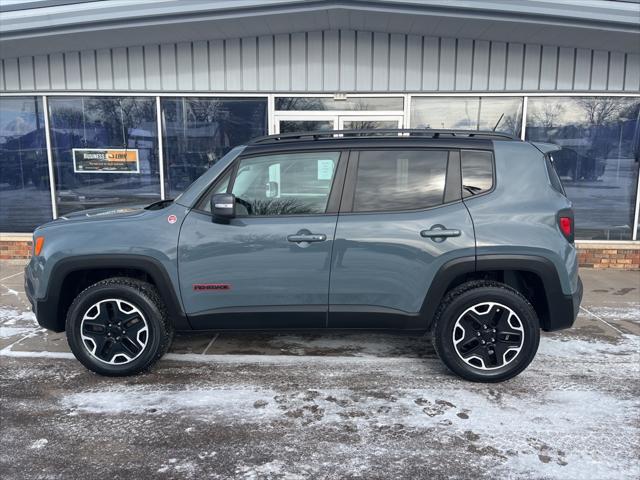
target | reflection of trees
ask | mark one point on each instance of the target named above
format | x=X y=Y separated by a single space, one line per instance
x=199 y=131
x=278 y=206
x=549 y=114
x=601 y=110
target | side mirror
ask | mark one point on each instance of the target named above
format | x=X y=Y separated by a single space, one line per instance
x=223 y=206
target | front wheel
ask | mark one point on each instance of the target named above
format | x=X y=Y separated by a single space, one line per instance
x=486 y=331
x=118 y=327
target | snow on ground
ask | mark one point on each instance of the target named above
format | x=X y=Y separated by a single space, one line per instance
x=326 y=405
x=11 y=316
x=541 y=425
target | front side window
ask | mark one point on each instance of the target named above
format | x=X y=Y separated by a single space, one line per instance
x=389 y=180
x=285 y=184
x=477 y=172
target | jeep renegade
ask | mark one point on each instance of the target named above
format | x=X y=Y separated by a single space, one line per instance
x=465 y=235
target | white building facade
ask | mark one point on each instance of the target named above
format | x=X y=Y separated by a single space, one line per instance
x=181 y=82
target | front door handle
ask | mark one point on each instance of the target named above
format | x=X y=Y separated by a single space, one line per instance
x=438 y=233
x=307 y=237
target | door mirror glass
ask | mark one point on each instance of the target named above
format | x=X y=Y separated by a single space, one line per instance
x=223 y=206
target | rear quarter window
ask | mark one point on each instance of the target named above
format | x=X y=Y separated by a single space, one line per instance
x=477 y=172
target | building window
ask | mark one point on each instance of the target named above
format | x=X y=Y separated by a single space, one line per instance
x=105 y=151
x=197 y=132
x=350 y=103
x=500 y=114
x=25 y=198
x=598 y=162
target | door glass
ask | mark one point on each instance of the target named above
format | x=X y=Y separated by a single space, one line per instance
x=289 y=126
x=368 y=124
x=287 y=184
x=390 y=180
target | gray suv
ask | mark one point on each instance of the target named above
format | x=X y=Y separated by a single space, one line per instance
x=465 y=235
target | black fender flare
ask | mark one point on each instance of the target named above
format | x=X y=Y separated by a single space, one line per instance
x=562 y=308
x=48 y=309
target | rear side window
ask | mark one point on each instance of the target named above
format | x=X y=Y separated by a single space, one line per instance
x=477 y=172
x=556 y=183
x=389 y=180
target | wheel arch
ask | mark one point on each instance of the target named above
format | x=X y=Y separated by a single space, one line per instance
x=533 y=276
x=71 y=275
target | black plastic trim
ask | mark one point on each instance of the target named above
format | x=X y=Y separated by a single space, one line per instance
x=562 y=308
x=261 y=317
x=48 y=312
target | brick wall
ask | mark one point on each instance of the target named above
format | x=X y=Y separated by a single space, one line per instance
x=15 y=247
x=620 y=256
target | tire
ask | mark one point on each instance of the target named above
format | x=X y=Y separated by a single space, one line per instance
x=496 y=353
x=109 y=348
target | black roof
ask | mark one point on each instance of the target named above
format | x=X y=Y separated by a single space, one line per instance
x=388 y=134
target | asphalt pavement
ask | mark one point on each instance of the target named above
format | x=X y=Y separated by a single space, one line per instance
x=325 y=405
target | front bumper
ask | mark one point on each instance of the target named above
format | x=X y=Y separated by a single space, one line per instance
x=46 y=311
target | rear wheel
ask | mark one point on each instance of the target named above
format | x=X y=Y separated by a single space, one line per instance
x=118 y=327
x=486 y=331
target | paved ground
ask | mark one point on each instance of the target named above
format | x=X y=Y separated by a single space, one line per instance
x=326 y=405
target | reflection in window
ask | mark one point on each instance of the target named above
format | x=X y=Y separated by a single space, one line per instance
x=199 y=131
x=25 y=199
x=598 y=163
x=108 y=125
x=500 y=114
x=396 y=180
x=291 y=126
x=287 y=184
x=329 y=103
x=477 y=172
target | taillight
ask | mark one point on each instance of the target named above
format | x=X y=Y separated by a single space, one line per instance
x=566 y=224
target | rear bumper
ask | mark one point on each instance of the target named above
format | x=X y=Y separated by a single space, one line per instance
x=564 y=309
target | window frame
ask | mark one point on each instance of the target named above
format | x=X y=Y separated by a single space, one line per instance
x=494 y=178
x=333 y=199
x=452 y=186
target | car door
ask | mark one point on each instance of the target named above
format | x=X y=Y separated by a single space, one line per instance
x=269 y=266
x=401 y=219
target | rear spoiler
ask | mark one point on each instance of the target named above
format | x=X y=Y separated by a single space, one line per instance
x=546 y=147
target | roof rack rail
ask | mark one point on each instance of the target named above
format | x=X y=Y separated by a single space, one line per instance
x=408 y=132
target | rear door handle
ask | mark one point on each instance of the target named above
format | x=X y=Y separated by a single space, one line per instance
x=439 y=232
x=307 y=237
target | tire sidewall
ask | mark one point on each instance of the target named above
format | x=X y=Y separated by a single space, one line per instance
x=445 y=325
x=131 y=295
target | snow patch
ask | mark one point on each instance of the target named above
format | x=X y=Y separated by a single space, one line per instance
x=235 y=403
x=11 y=316
x=6 y=332
x=630 y=312
x=39 y=444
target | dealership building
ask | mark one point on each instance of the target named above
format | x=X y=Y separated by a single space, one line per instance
x=107 y=102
